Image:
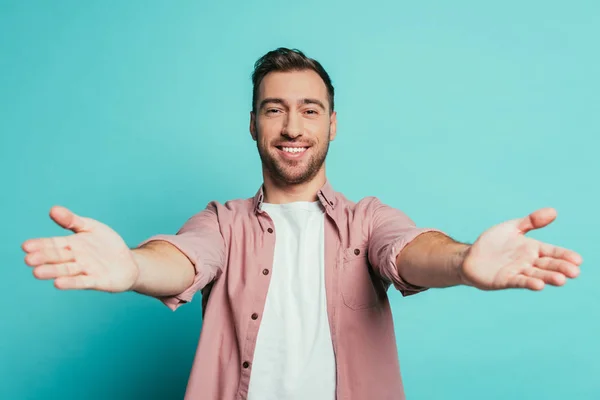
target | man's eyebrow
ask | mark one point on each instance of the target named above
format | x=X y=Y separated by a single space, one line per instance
x=275 y=100
x=313 y=101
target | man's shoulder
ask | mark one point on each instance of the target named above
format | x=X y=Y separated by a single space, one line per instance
x=232 y=205
x=366 y=202
x=372 y=209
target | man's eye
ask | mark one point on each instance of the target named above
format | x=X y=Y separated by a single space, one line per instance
x=272 y=111
x=311 y=112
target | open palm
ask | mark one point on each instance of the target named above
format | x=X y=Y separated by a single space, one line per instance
x=503 y=257
x=94 y=257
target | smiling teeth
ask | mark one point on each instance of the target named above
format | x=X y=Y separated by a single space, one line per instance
x=294 y=149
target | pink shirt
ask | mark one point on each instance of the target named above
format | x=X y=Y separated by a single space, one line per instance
x=232 y=247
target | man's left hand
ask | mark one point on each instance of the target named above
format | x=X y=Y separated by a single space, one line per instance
x=503 y=257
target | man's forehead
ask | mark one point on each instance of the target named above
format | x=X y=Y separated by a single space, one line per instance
x=293 y=85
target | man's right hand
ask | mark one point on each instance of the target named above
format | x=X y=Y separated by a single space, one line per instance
x=94 y=257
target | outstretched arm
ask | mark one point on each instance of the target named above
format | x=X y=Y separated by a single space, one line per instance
x=96 y=257
x=501 y=258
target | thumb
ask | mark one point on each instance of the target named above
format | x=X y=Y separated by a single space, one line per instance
x=69 y=220
x=537 y=219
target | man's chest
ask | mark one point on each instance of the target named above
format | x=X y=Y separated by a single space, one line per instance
x=269 y=254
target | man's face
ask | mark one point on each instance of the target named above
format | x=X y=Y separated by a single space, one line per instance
x=292 y=125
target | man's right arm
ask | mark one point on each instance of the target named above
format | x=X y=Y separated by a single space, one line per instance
x=95 y=257
x=163 y=270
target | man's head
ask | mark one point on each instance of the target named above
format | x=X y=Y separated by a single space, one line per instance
x=292 y=118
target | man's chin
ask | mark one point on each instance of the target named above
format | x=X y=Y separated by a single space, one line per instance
x=290 y=172
x=294 y=176
x=290 y=179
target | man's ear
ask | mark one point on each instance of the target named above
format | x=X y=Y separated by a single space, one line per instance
x=332 y=125
x=253 y=125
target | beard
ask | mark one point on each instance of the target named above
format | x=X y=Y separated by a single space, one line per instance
x=293 y=172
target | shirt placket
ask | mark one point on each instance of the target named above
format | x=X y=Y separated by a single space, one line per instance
x=265 y=250
x=333 y=253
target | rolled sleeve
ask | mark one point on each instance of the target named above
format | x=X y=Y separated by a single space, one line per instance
x=200 y=240
x=391 y=231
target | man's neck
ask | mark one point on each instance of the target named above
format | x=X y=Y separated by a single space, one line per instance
x=281 y=193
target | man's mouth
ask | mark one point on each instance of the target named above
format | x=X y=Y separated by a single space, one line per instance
x=292 y=150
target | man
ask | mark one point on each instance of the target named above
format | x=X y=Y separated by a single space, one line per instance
x=294 y=280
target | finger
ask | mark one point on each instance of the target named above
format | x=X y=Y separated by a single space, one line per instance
x=74 y=282
x=566 y=268
x=537 y=219
x=53 y=271
x=32 y=245
x=69 y=220
x=548 y=250
x=526 y=282
x=52 y=254
x=549 y=277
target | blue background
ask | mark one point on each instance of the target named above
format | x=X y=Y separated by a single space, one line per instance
x=463 y=114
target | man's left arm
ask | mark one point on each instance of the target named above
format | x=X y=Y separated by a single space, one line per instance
x=432 y=260
x=501 y=258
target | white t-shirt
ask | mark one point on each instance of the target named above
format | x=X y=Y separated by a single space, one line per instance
x=294 y=357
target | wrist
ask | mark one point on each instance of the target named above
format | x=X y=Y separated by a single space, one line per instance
x=137 y=256
x=461 y=261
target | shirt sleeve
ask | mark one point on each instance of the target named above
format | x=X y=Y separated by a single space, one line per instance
x=200 y=240
x=391 y=231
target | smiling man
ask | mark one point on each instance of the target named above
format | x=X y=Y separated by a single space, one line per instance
x=295 y=130
x=294 y=280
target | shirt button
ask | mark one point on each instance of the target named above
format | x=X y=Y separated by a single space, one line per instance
x=246 y=364
x=270 y=230
x=255 y=316
x=265 y=271
x=356 y=251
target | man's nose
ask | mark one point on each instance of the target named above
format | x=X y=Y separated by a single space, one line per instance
x=293 y=126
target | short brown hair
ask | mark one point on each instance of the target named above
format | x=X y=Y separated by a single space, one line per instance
x=285 y=60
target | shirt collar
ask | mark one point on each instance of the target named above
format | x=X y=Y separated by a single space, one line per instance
x=326 y=196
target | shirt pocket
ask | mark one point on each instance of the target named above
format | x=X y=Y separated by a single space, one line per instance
x=358 y=289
